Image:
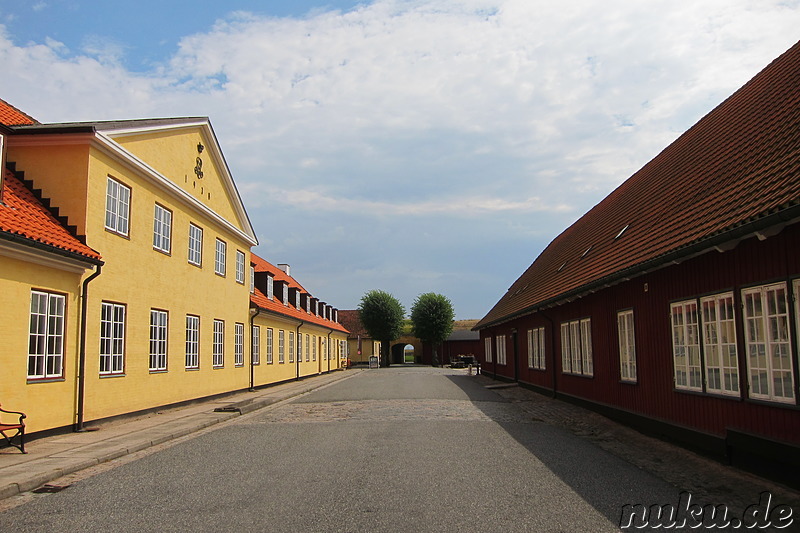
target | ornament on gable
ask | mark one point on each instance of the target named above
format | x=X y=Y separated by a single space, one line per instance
x=198 y=168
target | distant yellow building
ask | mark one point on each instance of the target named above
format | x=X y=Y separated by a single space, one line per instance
x=126 y=275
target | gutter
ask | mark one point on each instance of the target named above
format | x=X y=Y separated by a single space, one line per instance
x=775 y=221
x=15 y=237
x=82 y=352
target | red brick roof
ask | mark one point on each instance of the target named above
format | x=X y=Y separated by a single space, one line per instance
x=23 y=215
x=735 y=171
x=259 y=299
x=11 y=116
x=351 y=319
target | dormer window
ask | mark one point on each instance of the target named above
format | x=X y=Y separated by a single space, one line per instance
x=285 y=291
x=270 y=287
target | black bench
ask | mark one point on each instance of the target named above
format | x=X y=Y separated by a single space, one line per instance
x=12 y=431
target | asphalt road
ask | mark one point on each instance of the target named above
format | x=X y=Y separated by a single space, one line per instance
x=400 y=449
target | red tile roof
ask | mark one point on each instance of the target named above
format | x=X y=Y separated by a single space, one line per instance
x=11 y=116
x=351 y=319
x=734 y=171
x=259 y=299
x=23 y=215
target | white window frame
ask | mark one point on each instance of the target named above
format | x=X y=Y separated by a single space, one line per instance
x=218 y=344
x=768 y=342
x=162 y=229
x=195 y=245
x=626 y=336
x=118 y=207
x=308 y=351
x=281 y=346
x=240 y=267
x=220 y=251
x=192 y=360
x=270 y=287
x=500 y=341
x=255 y=351
x=291 y=346
x=112 y=339
x=252 y=279
x=46 y=335
x=238 y=344
x=159 y=325
x=720 y=348
x=314 y=348
x=576 y=347
x=685 y=325
x=299 y=347
x=536 y=353
x=487 y=349
x=270 y=345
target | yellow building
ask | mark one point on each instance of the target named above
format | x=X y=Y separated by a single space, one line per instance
x=294 y=334
x=42 y=263
x=168 y=311
x=126 y=275
x=360 y=345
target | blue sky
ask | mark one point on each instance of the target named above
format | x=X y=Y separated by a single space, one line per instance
x=404 y=145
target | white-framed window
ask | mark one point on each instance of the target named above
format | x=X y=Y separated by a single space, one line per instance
x=686 y=345
x=308 y=341
x=221 y=250
x=238 y=344
x=195 y=245
x=218 y=344
x=46 y=336
x=192 y=342
x=118 y=205
x=720 y=352
x=158 y=340
x=112 y=338
x=255 y=352
x=314 y=348
x=291 y=346
x=769 y=350
x=162 y=229
x=281 y=346
x=487 y=349
x=536 y=356
x=576 y=347
x=252 y=279
x=270 y=287
x=627 y=345
x=240 y=267
x=501 y=349
x=299 y=347
x=270 y=345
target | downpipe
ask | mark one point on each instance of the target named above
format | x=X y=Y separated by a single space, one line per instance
x=82 y=351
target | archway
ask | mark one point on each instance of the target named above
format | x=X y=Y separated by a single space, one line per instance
x=406 y=345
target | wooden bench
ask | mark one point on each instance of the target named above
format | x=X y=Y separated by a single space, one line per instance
x=11 y=431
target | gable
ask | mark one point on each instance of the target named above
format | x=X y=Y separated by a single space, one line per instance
x=186 y=153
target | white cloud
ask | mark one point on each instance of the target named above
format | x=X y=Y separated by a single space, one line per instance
x=518 y=113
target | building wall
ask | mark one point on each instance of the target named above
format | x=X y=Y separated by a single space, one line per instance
x=369 y=347
x=654 y=395
x=47 y=402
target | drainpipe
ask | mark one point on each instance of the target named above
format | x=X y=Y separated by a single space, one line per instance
x=252 y=367
x=82 y=350
x=297 y=350
x=553 y=350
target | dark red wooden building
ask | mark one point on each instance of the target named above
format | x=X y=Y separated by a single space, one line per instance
x=672 y=305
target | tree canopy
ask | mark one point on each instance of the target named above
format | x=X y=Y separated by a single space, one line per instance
x=382 y=316
x=432 y=318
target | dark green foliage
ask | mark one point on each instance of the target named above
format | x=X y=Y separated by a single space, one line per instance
x=382 y=316
x=432 y=317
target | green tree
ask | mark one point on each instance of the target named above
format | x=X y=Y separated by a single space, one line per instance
x=432 y=319
x=382 y=316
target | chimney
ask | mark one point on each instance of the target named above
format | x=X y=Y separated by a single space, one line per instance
x=285 y=267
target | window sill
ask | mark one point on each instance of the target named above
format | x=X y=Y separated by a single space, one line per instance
x=46 y=380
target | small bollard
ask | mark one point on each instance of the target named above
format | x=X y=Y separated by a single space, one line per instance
x=470 y=370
